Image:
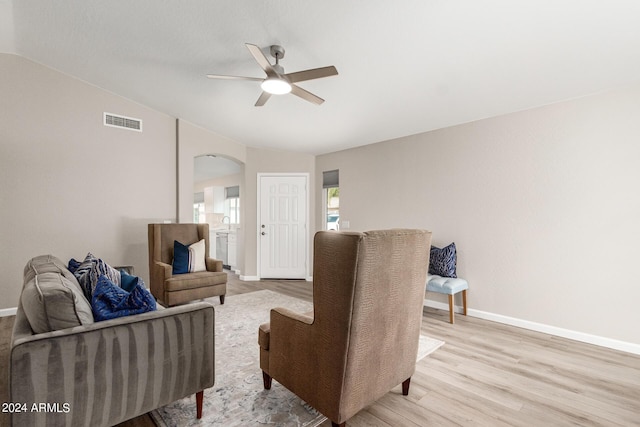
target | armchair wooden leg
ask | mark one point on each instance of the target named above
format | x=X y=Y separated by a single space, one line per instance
x=405 y=386
x=338 y=425
x=199 y=397
x=266 y=379
x=221 y=299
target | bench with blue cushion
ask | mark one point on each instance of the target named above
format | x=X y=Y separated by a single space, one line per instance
x=449 y=286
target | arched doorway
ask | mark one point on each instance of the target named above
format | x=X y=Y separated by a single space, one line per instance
x=217 y=200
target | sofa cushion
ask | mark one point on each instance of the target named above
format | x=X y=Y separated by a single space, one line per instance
x=442 y=262
x=51 y=302
x=195 y=280
x=46 y=264
x=110 y=301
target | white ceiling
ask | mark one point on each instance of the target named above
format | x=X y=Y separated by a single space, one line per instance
x=404 y=67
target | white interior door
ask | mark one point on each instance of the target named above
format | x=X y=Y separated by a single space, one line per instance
x=283 y=227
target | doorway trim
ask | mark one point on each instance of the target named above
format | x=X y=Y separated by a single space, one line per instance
x=304 y=175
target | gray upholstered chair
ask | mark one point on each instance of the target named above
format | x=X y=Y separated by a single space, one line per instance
x=362 y=338
x=172 y=289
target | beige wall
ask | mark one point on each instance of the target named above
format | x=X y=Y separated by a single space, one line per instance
x=195 y=141
x=544 y=207
x=68 y=184
x=268 y=161
x=223 y=181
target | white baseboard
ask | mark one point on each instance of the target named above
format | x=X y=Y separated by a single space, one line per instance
x=8 y=311
x=540 y=327
x=257 y=279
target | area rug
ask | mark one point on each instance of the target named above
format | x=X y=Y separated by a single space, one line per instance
x=238 y=397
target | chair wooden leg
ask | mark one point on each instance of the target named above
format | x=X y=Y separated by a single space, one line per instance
x=464 y=301
x=221 y=299
x=405 y=386
x=266 y=379
x=450 y=308
x=338 y=425
x=199 y=398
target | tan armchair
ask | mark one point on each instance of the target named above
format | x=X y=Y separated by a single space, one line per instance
x=362 y=338
x=171 y=290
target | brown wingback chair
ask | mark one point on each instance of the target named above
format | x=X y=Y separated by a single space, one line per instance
x=362 y=338
x=171 y=290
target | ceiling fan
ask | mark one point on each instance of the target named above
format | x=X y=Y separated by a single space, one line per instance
x=277 y=82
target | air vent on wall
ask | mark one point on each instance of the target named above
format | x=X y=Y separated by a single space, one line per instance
x=122 y=122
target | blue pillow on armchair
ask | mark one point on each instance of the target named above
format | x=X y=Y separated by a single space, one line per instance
x=180 y=258
x=442 y=262
x=110 y=301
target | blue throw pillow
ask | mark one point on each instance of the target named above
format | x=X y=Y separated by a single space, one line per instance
x=110 y=301
x=442 y=262
x=88 y=272
x=180 y=258
x=127 y=281
x=73 y=265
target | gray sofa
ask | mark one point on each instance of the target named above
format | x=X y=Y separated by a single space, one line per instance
x=101 y=373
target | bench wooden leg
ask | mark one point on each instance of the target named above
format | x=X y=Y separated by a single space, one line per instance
x=464 y=301
x=450 y=308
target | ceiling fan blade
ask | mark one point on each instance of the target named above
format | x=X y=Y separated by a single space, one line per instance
x=261 y=59
x=217 y=76
x=306 y=95
x=315 y=73
x=263 y=99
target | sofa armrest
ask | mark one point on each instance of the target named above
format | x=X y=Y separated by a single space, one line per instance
x=213 y=264
x=111 y=371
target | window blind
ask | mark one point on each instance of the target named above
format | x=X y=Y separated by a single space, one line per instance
x=232 y=192
x=331 y=179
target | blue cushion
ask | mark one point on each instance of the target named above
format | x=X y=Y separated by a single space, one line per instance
x=110 y=301
x=180 y=258
x=446 y=285
x=127 y=281
x=442 y=262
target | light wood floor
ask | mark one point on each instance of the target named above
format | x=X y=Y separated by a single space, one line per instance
x=486 y=374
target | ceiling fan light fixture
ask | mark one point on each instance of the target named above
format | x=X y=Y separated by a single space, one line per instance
x=276 y=86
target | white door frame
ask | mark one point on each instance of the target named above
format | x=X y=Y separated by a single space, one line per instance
x=304 y=175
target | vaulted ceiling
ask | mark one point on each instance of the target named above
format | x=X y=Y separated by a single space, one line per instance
x=404 y=67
